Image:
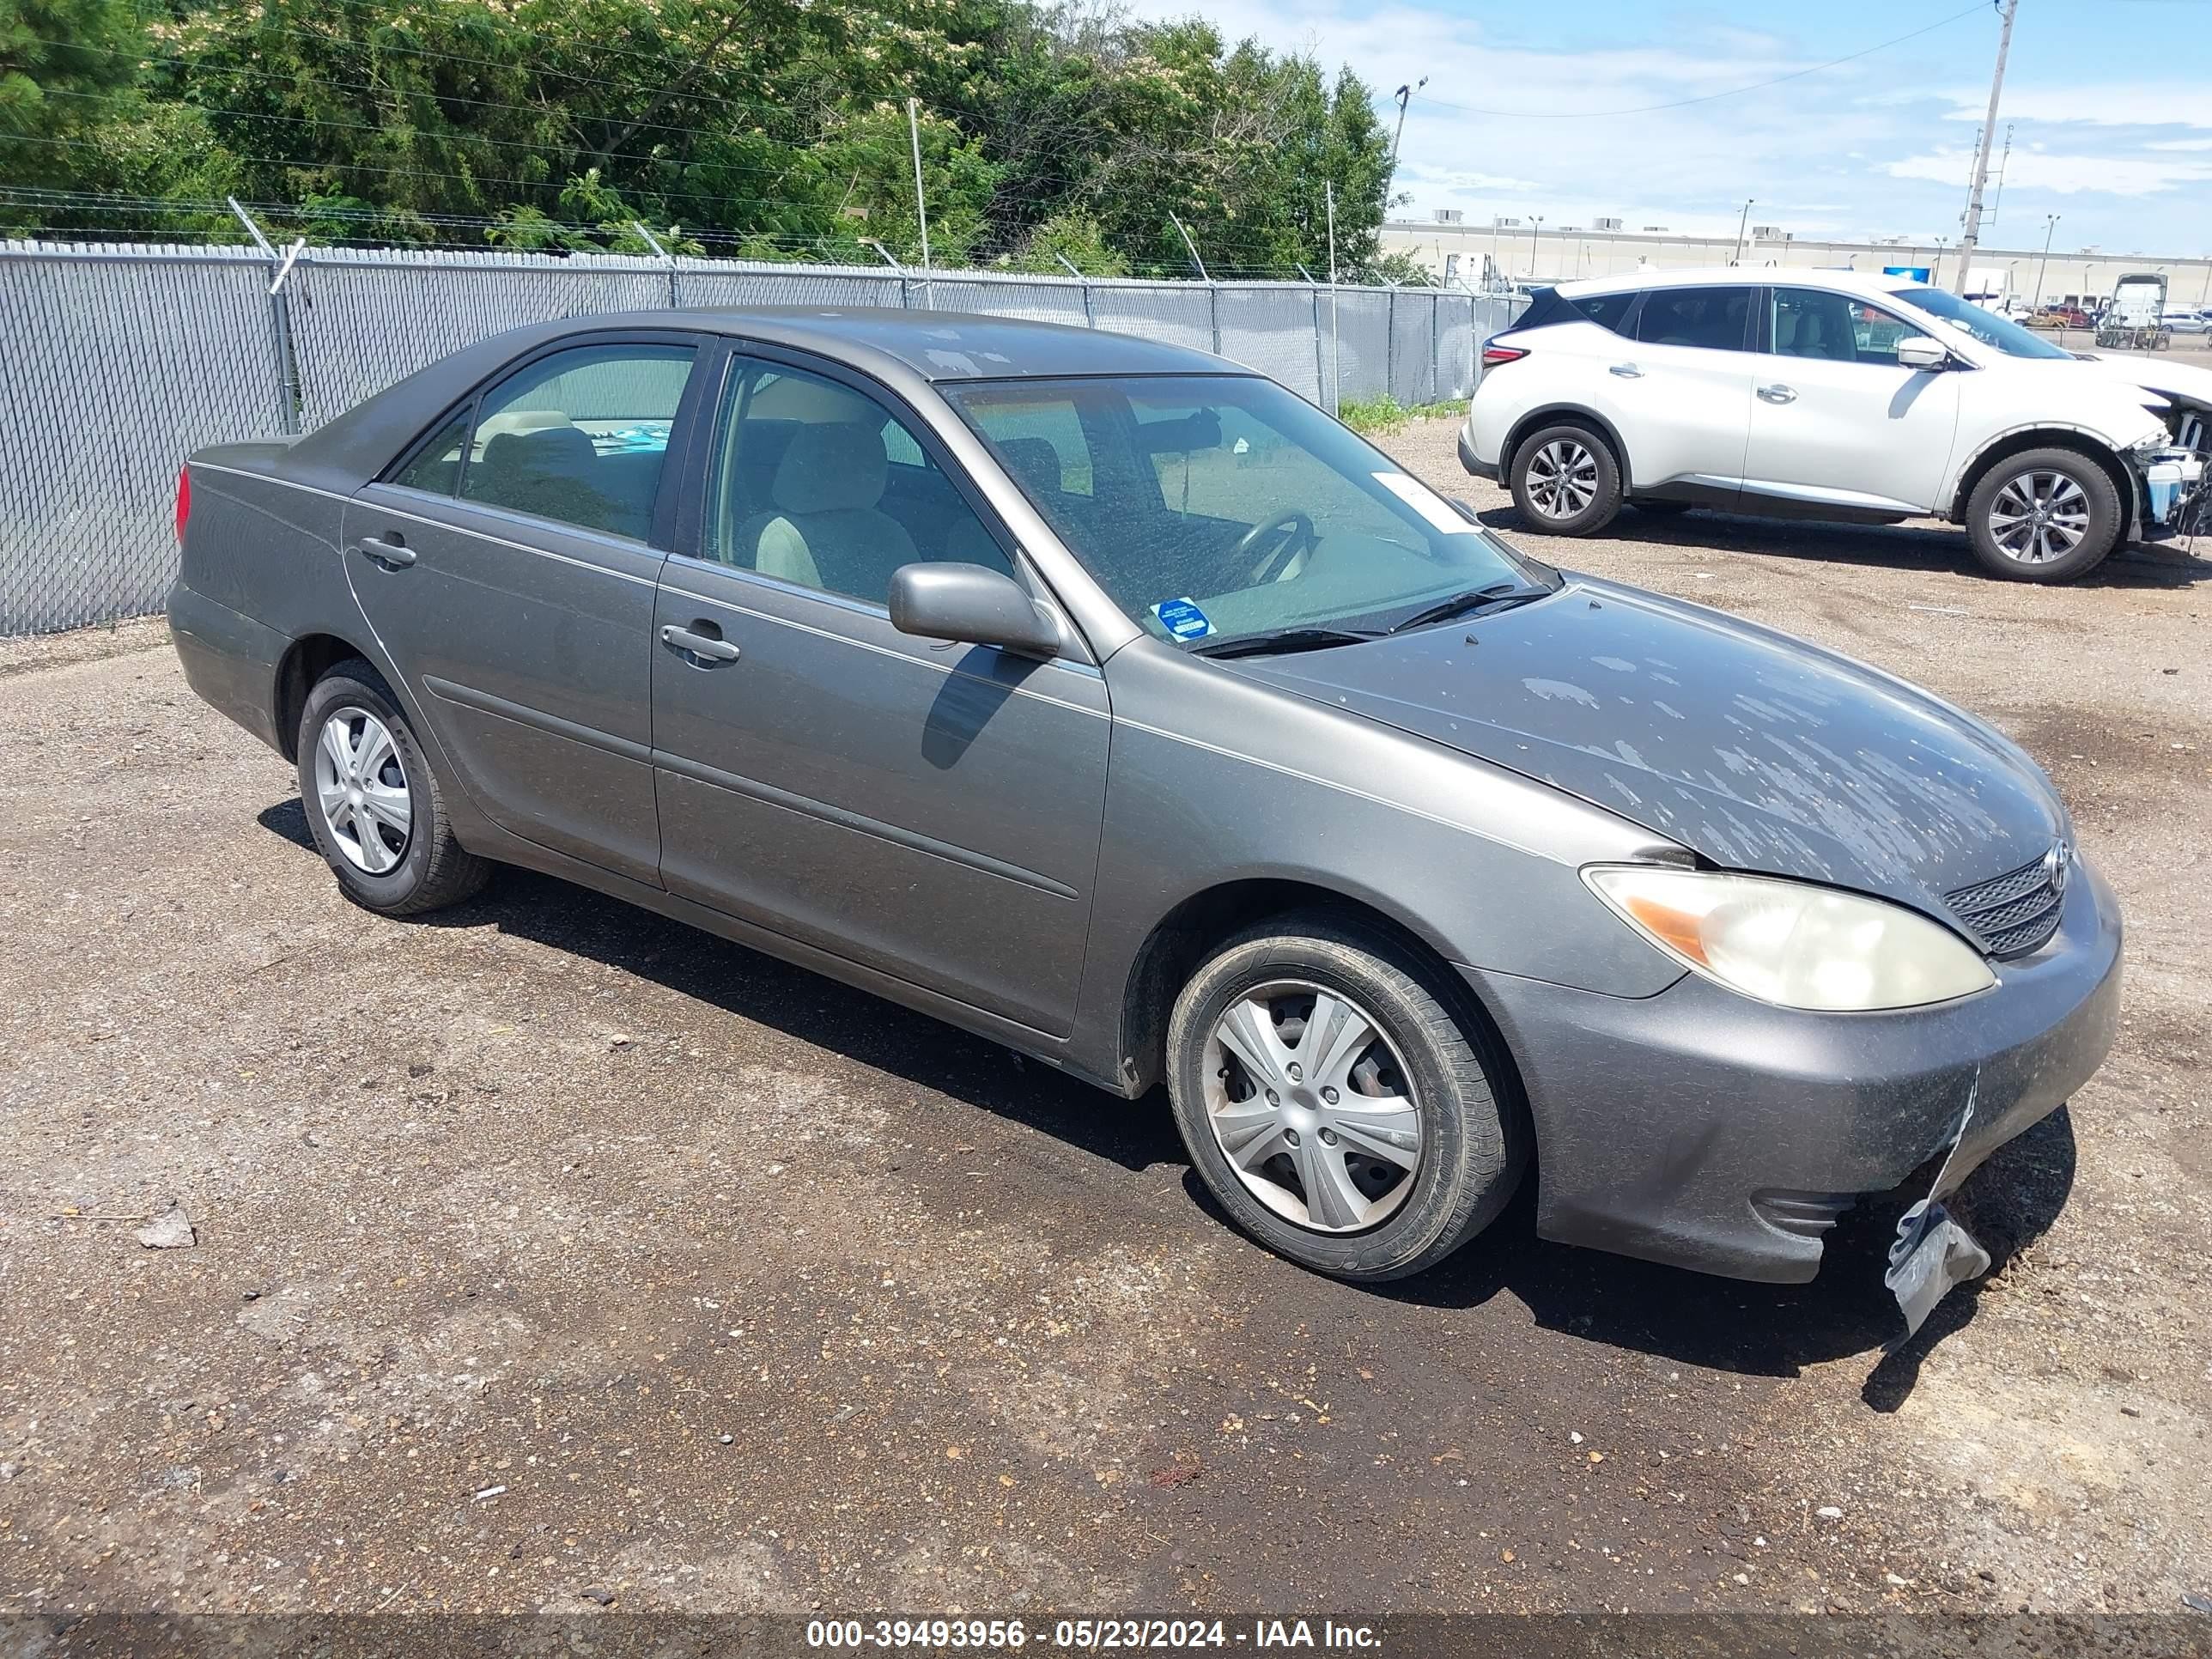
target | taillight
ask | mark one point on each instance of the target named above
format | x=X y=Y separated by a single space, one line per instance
x=1494 y=353
x=184 y=502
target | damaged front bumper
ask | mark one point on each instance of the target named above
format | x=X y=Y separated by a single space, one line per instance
x=1700 y=1128
x=2174 y=498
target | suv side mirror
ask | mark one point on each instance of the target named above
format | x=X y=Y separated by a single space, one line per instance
x=1918 y=352
x=974 y=606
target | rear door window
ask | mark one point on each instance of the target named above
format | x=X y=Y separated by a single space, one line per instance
x=579 y=436
x=1711 y=318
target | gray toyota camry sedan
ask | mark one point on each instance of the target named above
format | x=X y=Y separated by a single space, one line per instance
x=1106 y=699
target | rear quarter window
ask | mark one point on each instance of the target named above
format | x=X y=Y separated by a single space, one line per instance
x=1606 y=310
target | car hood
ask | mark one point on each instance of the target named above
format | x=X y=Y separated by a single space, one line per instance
x=1759 y=751
x=2184 y=384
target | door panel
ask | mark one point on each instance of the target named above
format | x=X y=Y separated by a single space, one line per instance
x=1683 y=387
x=1835 y=419
x=510 y=567
x=929 y=809
x=531 y=661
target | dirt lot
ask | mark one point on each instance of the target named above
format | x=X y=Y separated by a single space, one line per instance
x=550 y=1255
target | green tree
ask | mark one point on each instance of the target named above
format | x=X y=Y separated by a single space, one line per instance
x=66 y=69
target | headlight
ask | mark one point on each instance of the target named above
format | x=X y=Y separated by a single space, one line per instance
x=1791 y=943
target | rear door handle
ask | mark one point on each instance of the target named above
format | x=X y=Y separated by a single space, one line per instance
x=1778 y=394
x=699 y=645
x=1627 y=371
x=392 y=553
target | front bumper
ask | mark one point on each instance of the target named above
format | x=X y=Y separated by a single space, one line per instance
x=2173 y=488
x=1701 y=1128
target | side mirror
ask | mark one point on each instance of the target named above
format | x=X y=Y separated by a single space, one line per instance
x=1918 y=352
x=974 y=606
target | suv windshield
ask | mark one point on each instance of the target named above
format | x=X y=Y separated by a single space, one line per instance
x=1217 y=507
x=1986 y=326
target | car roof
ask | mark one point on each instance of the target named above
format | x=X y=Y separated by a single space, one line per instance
x=1871 y=284
x=934 y=345
x=904 y=349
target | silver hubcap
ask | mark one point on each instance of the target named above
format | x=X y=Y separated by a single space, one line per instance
x=1311 y=1106
x=1562 y=479
x=362 y=789
x=2040 y=517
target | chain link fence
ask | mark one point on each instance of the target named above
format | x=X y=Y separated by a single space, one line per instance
x=123 y=359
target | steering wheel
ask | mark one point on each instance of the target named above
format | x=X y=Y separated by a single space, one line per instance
x=1296 y=534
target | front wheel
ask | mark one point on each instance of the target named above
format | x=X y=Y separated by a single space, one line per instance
x=1566 y=481
x=2047 y=515
x=1335 y=1105
x=371 y=802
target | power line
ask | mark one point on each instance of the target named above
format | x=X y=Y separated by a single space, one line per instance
x=1707 y=98
x=400 y=215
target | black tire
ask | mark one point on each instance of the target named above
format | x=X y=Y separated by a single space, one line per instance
x=2101 y=501
x=1550 y=448
x=431 y=870
x=1663 y=509
x=1463 y=1089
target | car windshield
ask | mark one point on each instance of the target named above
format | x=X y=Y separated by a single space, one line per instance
x=1986 y=326
x=1216 y=508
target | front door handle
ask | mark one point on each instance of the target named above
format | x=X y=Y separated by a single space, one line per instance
x=702 y=646
x=1626 y=371
x=394 y=555
x=1778 y=394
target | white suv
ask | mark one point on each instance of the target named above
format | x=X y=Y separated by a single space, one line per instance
x=1827 y=394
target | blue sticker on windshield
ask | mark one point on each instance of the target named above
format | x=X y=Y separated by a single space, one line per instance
x=1182 y=619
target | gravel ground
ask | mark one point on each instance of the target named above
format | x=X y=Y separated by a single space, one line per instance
x=552 y=1255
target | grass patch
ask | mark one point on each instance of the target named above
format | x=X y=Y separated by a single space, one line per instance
x=1386 y=414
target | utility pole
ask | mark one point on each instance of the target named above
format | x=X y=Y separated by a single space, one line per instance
x=1405 y=97
x=1982 y=158
x=921 y=207
x=2004 y=163
x=1741 y=220
x=2050 y=223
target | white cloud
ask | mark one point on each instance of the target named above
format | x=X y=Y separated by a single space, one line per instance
x=1853 y=150
x=2106 y=104
x=2065 y=175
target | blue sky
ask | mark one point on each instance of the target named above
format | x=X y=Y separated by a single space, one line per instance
x=2110 y=101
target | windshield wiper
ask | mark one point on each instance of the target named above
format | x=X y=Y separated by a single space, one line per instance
x=1282 y=640
x=1491 y=596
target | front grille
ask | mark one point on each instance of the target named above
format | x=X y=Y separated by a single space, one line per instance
x=2017 y=912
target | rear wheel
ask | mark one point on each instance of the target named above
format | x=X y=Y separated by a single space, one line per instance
x=2044 y=515
x=374 y=809
x=1335 y=1105
x=1566 y=480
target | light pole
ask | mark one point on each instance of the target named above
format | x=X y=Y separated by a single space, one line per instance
x=2050 y=223
x=1535 y=228
x=1405 y=97
x=1741 y=220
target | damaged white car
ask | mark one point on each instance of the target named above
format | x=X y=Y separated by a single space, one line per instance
x=1828 y=394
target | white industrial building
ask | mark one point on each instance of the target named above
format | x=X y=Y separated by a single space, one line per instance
x=1531 y=250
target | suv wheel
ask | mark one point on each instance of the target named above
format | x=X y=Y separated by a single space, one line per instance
x=1333 y=1105
x=1566 y=480
x=374 y=809
x=2046 y=515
